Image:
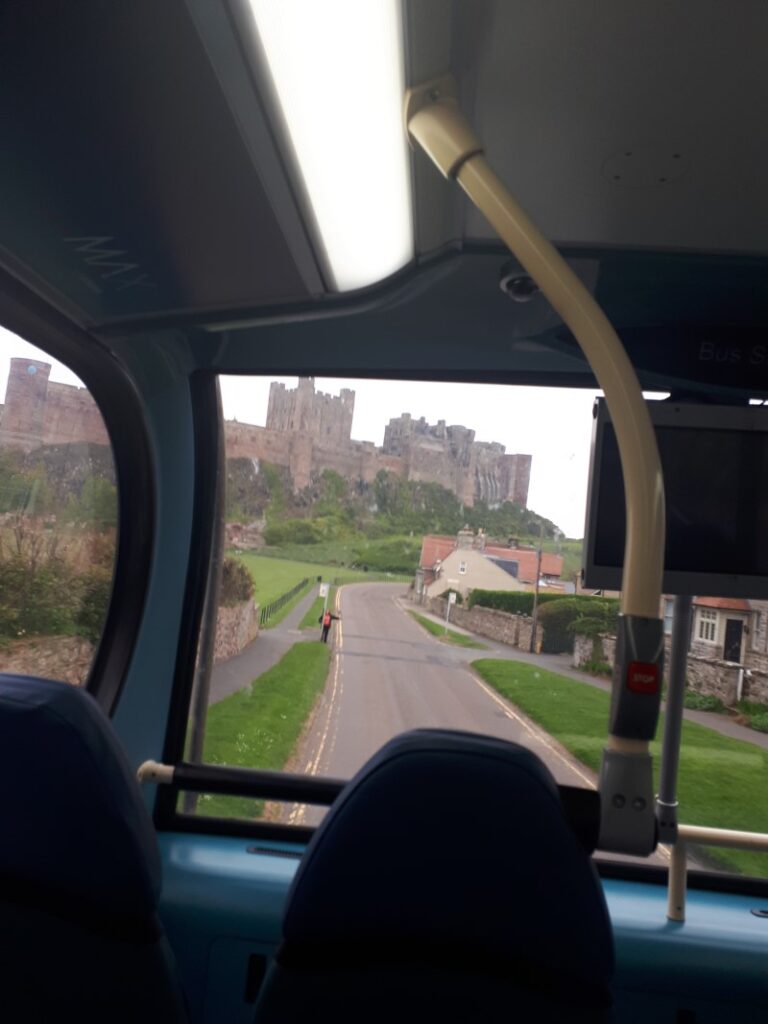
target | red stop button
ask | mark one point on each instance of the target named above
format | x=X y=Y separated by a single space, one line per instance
x=643 y=677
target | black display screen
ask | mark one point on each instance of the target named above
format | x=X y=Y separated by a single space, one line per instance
x=716 y=485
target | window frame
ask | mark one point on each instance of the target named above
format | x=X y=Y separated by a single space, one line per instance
x=208 y=435
x=707 y=622
x=35 y=321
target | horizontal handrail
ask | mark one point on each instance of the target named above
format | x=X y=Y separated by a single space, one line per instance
x=581 y=807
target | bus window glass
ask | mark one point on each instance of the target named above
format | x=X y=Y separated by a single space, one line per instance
x=58 y=517
x=402 y=554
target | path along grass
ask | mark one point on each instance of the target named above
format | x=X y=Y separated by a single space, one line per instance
x=259 y=727
x=722 y=783
x=451 y=637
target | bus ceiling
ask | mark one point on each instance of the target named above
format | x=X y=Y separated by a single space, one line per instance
x=176 y=198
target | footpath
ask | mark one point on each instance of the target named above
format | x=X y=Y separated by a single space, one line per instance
x=561 y=664
x=262 y=653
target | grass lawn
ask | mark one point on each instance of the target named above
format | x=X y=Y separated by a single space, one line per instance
x=316 y=610
x=451 y=637
x=722 y=783
x=274 y=576
x=260 y=726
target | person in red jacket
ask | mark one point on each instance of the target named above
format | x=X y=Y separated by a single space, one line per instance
x=326 y=619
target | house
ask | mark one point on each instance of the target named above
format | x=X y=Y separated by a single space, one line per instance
x=469 y=562
x=729 y=629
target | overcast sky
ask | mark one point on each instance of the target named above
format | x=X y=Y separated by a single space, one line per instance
x=553 y=425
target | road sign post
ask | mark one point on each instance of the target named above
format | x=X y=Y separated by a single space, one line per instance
x=449 y=605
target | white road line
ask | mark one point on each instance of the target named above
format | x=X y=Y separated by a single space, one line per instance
x=298 y=813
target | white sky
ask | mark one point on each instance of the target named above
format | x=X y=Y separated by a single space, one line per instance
x=553 y=425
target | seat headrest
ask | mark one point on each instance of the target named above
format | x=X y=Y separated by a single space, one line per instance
x=74 y=824
x=450 y=839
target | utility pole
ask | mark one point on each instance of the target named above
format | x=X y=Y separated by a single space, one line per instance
x=536 y=592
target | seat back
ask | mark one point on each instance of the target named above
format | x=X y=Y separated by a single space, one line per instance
x=79 y=867
x=446 y=884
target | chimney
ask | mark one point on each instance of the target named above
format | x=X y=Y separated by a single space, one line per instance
x=465 y=539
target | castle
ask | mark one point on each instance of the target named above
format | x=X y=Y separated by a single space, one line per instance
x=306 y=432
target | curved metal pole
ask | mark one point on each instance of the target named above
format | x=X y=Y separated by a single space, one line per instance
x=441 y=129
x=628 y=822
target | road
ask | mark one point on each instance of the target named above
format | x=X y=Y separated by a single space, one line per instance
x=389 y=675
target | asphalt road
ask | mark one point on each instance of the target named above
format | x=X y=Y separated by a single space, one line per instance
x=389 y=675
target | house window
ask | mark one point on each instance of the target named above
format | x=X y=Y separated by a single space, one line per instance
x=707 y=624
x=462 y=568
x=669 y=614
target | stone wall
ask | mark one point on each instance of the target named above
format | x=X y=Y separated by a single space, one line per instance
x=705 y=675
x=38 y=412
x=306 y=432
x=69 y=658
x=236 y=627
x=514 y=630
x=52 y=657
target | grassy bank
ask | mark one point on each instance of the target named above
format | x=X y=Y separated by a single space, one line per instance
x=259 y=727
x=722 y=781
x=451 y=637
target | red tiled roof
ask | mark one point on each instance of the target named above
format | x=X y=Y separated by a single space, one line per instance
x=733 y=604
x=435 y=546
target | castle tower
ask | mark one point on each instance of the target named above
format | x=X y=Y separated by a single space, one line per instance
x=23 y=416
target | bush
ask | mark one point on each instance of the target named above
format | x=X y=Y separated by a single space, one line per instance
x=38 y=598
x=597 y=668
x=760 y=722
x=236 y=583
x=516 y=602
x=702 y=701
x=90 y=617
x=293 y=531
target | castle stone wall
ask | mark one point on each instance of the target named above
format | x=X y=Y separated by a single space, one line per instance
x=38 y=412
x=306 y=432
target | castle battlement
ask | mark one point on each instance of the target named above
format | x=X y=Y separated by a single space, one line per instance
x=307 y=431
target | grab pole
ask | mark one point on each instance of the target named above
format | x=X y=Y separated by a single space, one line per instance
x=628 y=824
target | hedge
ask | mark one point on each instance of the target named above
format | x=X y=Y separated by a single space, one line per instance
x=516 y=602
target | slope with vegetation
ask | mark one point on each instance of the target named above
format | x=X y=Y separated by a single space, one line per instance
x=378 y=526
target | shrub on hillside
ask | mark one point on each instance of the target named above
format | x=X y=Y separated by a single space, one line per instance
x=236 y=583
x=391 y=554
x=293 y=531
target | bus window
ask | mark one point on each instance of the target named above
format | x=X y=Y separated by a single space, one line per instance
x=405 y=554
x=58 y=517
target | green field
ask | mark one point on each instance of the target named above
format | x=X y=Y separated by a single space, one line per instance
x=722 y=781
x=452 y=637
x=260 y=726
x=274 y=576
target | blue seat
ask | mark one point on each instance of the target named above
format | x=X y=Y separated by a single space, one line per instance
x=79 y=868
x=444 y=884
